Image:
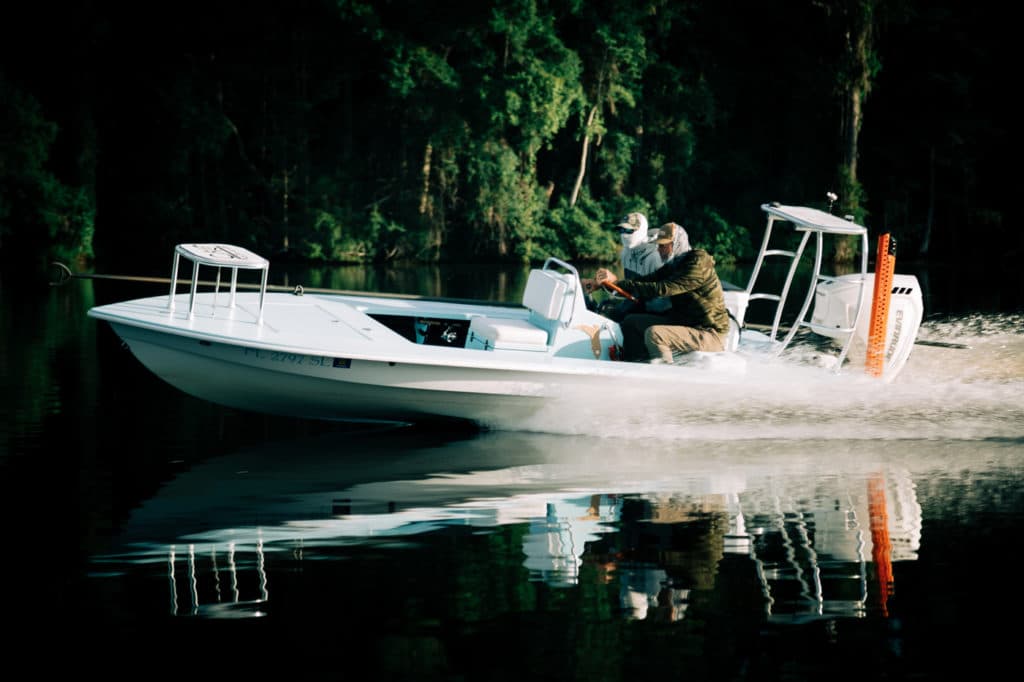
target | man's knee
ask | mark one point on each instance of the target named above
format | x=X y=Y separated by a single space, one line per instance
x=666 y=337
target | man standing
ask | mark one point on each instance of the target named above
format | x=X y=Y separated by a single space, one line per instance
x=697 y=318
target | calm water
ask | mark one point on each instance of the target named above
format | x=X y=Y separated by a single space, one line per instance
x=786 y=537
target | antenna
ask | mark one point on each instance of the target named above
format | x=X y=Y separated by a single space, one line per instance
x=831 y=196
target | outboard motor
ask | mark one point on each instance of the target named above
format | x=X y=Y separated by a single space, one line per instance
x=835 y=307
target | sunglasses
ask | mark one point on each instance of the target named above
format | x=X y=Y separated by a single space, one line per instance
x=624 y=230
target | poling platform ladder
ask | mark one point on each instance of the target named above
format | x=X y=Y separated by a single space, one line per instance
x=819 y=223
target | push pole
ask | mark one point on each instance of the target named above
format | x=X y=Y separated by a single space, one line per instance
x=885 y=265
x=881 y=544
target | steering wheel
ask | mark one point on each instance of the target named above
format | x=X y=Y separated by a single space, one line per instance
x=619 y=290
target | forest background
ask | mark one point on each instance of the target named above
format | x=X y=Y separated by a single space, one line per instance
x=498 y=131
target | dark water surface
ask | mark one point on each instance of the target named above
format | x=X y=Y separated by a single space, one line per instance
x=836 y=537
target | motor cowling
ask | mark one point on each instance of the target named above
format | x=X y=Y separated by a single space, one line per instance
x=835 y=307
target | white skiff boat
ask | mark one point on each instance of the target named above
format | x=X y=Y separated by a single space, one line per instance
x=356 y=356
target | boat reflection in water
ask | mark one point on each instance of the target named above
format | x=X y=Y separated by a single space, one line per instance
x=815 y=529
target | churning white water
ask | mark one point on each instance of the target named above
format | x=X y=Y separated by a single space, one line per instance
x=964 y=380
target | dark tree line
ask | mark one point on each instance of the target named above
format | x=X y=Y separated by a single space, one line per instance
x=348 y=131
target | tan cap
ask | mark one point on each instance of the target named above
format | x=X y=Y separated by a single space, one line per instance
x=666 y=233
x=633 y=222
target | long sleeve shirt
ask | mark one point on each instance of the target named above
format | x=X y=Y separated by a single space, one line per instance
x=693 y=286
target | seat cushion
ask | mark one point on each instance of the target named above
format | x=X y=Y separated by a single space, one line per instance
x=509 y=334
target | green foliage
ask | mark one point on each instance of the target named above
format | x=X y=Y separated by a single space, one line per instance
x=69 y=215
x=613 y=48
x=541 y=77
x=419 y=67
x=367 y=238
x=617 y=160
x=580 y=233
x=359 y=131
x=728 y=243
x=27 y=134
x=39 y=214
x=330 y=241
x=852 y=196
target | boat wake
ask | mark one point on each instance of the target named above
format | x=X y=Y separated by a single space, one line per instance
x=966 y=381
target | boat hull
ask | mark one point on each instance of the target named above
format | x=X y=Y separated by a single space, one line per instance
x=318 y=387
x=567 y=394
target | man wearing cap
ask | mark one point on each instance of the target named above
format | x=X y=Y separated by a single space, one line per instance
x=697 y=318
x=639 y=254
x=679 y=247
x=639 y=257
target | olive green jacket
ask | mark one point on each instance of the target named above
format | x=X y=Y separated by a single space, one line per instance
x=695 y=291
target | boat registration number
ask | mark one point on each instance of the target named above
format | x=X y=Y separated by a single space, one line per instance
x=297 y=359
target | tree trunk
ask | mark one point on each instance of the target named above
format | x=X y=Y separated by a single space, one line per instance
x=428 y=151
x=926 y=239
x=854 y=119
x=583 y=157
x=858 y=84
x=426 y=208
x=284 y=208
